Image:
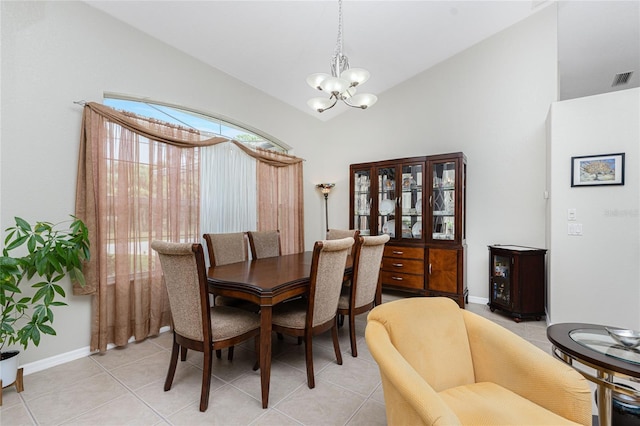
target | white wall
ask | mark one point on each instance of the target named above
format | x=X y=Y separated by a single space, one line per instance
x=595 y=278
x=490 y=102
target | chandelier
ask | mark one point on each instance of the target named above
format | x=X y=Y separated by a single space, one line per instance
x=342 y=83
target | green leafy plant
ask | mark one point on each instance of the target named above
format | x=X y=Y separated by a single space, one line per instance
x=52 y=252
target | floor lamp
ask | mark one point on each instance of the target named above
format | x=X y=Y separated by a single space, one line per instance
x=325 y=188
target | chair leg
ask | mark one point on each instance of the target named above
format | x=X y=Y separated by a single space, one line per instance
x=308 y=350
x=206 y=380
x=218 y=353
x=256 y=366
x=172 y=366
x=336 y=344
x=230 y=354
x=352 y=335
x=183 y=354
x=340 y=320
x=280 y=336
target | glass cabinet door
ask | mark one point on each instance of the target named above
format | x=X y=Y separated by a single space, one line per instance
x=443 y=199
x=411 y=201
x=500 y=276
x=362 y=201
x=387 y=201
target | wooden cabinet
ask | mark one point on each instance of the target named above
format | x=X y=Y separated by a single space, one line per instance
x=517 y=281
x=420 y=203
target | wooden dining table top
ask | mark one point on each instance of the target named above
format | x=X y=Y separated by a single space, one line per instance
x=267 y=276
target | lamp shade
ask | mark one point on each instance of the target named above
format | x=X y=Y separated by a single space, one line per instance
x=321 y=104
x=363 y=100
x=316 y=79
x=355 y=76
x=334 y=85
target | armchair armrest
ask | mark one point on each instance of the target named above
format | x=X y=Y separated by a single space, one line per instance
x=409 y=398
x=506 y=359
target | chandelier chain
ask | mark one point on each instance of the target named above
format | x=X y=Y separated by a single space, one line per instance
x=338 y=50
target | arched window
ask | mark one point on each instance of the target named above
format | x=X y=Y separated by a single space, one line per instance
x=206 y=124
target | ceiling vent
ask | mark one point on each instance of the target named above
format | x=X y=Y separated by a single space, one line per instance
x=622 y=78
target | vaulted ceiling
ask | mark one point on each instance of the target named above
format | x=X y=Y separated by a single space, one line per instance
x=274 y=45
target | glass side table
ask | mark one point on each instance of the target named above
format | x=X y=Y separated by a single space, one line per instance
x=590 y=345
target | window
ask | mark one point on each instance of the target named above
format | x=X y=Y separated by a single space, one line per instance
x=207 y=125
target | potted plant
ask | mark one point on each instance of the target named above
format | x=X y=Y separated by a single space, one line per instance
x=46 y=253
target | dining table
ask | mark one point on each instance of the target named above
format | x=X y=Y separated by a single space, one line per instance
x=265 y=282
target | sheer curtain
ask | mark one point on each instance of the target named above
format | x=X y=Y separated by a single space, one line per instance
x=228 y=189
x=139 y=180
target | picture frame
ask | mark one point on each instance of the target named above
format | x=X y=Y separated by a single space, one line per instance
x=597 y=170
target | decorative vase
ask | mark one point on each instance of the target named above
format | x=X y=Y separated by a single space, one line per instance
x=8 y=367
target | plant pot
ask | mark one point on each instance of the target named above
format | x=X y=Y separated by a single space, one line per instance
x=8 y=367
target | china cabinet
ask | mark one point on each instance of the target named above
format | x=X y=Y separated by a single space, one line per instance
x=420 y=203
x=517 y=281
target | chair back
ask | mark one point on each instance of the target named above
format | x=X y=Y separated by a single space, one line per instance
x=226 y=248
x=431 y=335
x=264 y=244
x=185 y=278
x=368 y=253
x=327 y=271
x=337 y=234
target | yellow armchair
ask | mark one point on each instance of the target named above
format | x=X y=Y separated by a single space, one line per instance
x=442 y=365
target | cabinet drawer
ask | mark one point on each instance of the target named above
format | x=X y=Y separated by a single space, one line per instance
x=403 y=280
x=401 y=265
x=404 y=252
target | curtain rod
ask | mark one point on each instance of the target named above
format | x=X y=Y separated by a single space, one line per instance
x=82 y=102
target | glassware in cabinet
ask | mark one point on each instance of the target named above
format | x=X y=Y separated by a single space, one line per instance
x=411 y=201
x=387 y=201
x=362 y=200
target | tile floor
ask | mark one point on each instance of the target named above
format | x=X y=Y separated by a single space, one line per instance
x=125 y=386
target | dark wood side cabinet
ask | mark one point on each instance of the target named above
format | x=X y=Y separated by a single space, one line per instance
x=420 y=203
x=517 y=281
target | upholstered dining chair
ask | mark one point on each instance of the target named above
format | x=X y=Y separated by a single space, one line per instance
x=336 y=234
x=264 y=244
x=360 y=296
x=196 y=325
x=442 y=365
x=316 y=314
x=224 y=249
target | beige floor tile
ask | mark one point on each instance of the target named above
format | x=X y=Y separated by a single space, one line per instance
x=370 y=414
x=326 y=404
x=227 y=406
x=295 y=356
x=354 y=374
x=184 y=391
x=117 y=357
x=59 y=378
x=15 y=415
x=144 y=371
x=126 y=410
x=10 y=397
x=378 y=394
x=275 y=418
x=58 y=405
x=284 y=380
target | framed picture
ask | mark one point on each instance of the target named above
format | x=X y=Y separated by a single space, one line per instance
x=596 y=170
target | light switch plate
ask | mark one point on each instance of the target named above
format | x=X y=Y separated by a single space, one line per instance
x=575 y=229
x=571 y=214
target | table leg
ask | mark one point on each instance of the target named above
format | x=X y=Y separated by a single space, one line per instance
x=265 y=352
x=604 y=400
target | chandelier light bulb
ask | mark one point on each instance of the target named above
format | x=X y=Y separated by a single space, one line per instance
x=363 y=100
x=320 y=104
x=334 y=85
x=355 y=76
x=315 y=80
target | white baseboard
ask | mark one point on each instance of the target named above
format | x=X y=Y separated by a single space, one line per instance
x=43 y=364
x=480 y=300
